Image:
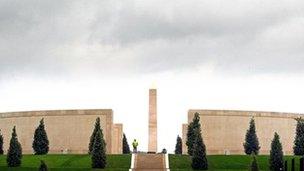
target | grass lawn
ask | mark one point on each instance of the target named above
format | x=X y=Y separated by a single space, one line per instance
x=69 y=162
x=227 y=163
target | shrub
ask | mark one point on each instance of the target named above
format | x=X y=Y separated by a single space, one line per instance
x=92 y=138
x=43 y=166
x=1 y=144
x=251 y=144
x=178 y=146
x=199 y=159
x=125 y=145
x=276 y=154
x=298 y=148
x=14 y=154
x=98 y=152
x=41 y=142
x=191 y=133
x=254 y=164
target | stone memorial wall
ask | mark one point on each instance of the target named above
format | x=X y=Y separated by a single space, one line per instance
x=224 y=130
x=68 y=131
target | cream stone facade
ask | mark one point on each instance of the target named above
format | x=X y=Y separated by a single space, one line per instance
x=224 y=131
x=68 y=131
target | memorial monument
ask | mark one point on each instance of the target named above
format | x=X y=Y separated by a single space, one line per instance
x=68 y=131
x=224 y=131
x=152 y=142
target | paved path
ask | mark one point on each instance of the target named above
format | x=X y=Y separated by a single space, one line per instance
x=149 y=162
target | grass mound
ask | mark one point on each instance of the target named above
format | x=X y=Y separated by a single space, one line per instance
x=225 y=162
x=69 y=162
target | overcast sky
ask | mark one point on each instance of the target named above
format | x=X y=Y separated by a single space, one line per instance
x=211 y=54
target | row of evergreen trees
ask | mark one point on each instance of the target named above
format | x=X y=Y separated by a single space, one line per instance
x=197 y=149
x=276 y=162
x=14 y=154
x=97 y=146
x=251 y=145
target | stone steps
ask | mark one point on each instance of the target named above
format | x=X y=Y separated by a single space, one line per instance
x=149 y=169
x=149 y=162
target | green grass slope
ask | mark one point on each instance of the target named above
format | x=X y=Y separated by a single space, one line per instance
x=67 y=162
x=225 y=162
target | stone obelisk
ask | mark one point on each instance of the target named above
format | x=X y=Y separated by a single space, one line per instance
x=152 y=144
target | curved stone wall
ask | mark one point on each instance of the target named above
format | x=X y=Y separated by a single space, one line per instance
x=68 y=131
x=224 y=130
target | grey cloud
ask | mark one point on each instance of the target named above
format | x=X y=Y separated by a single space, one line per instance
x=134 y=22
x=133 y=37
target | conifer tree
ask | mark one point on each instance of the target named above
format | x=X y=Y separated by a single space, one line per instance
x=254 y=164
x=191 y=132
x=14 y=154
x=251 y=144
x=298 y=148
x=199 y=158
x=125 y=145
x=92 y=138
x=41 y=142
x=43 y=166
x=1 y=144
x=178 y=146
x=98 y=153
x=276 y=161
